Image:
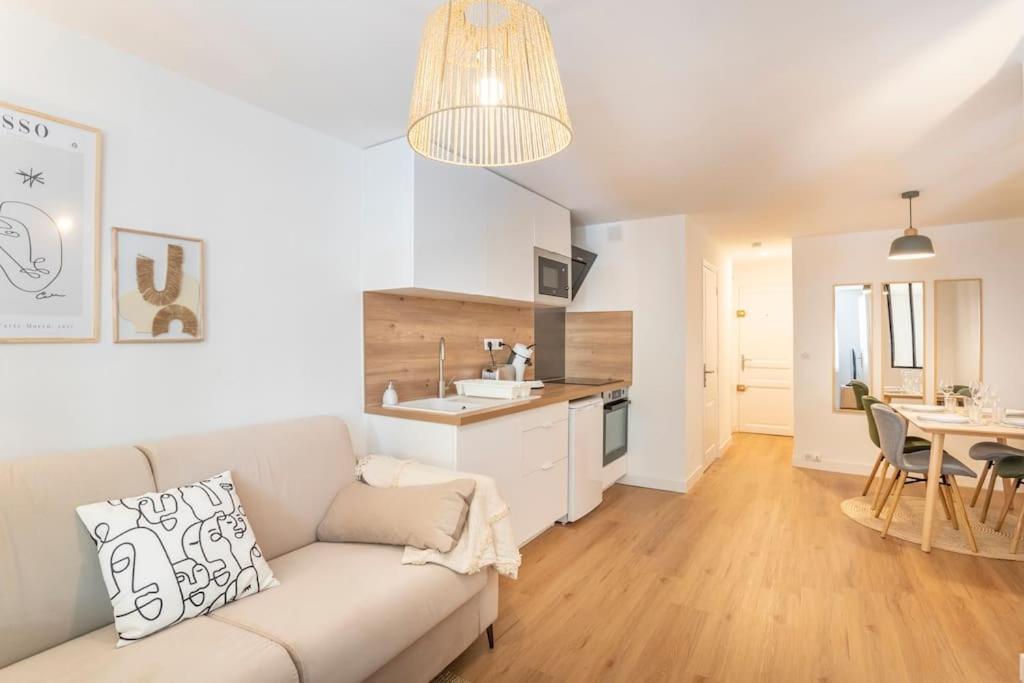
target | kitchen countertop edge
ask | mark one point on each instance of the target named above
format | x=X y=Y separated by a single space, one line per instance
x=550 y=394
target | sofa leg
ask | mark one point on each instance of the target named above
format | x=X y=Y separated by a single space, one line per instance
x=490 y=636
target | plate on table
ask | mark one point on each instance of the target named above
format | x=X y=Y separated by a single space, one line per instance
x=949 y=418
x=921 y=407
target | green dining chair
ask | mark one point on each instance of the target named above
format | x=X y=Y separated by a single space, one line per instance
x=860 y=390
x=913 y=443
x=1011 y=468
x=990 y=452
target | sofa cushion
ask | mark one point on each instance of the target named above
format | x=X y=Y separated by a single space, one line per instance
x=430 y=516
x=50 y=584
x=343 y=610
x=197 y=650
x=175 y=555
x=287 y=473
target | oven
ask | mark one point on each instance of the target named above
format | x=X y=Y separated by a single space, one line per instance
x=616 y=424
x=551 y=278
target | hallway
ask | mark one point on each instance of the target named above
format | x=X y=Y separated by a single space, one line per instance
x=754 y=576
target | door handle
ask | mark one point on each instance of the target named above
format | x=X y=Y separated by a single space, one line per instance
x=706 y=373
x=743 y=362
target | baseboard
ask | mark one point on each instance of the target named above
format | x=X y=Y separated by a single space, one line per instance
x=725 y=446
x=695 y=476
x=838 y=466
x=654 y=483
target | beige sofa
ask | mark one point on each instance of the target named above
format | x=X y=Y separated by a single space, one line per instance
x=343 y=612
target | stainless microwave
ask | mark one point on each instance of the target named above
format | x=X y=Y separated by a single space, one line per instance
x=551 y=275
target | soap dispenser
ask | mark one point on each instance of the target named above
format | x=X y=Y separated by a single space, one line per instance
x=390 y=394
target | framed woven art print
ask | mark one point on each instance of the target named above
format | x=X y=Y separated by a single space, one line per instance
x=158 y=287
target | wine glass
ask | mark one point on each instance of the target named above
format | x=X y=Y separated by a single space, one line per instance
x=947 y=391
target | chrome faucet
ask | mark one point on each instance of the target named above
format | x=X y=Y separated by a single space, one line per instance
x=441 y=386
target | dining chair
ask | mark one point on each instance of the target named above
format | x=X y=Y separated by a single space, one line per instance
x=914 y=443
x=892 y=433
x=860 y=390
x=991 y=452
x=1011 y=470
x=962 y=392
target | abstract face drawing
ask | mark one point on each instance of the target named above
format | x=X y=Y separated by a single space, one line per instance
x=135 y=563
x=193 y=580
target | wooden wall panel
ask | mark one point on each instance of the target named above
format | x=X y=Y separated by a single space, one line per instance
x=599 y=345
x=401 y=335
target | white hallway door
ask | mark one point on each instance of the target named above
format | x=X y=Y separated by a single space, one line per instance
x=710 y=345
x=765 y=336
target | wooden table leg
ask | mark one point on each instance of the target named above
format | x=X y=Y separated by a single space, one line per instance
x=932 y=489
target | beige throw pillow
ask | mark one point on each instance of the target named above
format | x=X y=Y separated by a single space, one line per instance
x=429 y=516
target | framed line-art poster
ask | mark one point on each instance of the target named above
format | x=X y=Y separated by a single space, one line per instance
x=49 y=228
x=158 y=287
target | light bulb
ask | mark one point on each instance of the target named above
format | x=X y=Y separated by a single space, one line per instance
x=490 y=90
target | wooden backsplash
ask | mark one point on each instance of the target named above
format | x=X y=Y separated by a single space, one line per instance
x=401 y=335
x=599 y=345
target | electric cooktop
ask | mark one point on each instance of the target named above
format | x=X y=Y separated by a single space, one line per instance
x=585 y=381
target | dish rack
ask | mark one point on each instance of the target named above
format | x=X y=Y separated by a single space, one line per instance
x=493 y=388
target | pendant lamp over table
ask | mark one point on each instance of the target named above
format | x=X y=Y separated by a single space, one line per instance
x=912 y=245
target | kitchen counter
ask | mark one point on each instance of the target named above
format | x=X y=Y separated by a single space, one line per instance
x=551 y=393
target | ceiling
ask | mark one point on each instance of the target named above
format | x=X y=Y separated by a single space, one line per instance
x=760 y=120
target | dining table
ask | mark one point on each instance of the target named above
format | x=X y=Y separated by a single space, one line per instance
x=938 y=431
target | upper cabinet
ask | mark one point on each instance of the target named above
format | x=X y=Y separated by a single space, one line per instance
x=551 y=229
x=435 y=227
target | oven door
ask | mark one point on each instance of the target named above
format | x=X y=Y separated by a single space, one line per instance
x=616 y=430
x=552 y=278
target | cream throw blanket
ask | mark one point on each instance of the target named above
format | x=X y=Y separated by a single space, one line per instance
x=487 y=539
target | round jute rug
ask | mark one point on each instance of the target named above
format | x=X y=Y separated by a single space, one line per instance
x=909 y=519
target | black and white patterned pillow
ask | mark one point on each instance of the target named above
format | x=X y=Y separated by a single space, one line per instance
x=171 y=556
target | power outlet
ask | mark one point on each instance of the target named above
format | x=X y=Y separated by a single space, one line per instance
x=493 y=344
x=812 y=457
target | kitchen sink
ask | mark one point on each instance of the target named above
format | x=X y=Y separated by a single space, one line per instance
x=458 y=404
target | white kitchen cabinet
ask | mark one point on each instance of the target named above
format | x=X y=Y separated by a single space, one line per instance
x=525 y=453
x=429 y=227
x=551 y=227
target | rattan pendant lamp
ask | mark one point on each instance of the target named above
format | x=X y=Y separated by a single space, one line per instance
x=487 y=90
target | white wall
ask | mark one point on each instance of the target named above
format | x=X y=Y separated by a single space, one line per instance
x=278 y=206
x=640 y=267
x=991 y=251
x=653 y=267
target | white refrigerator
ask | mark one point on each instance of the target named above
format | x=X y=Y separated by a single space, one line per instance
x=586 y=455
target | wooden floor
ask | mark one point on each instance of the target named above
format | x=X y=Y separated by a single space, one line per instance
x=755 y=575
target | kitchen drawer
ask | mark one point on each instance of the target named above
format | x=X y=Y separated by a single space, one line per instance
x=538 y=417
x=542 y=499
x=545 y=445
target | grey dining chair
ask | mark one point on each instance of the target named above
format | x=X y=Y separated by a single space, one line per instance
x=991 y=452
x=892 y=433
x=914 y=443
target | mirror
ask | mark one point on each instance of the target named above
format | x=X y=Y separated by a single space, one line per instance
x=958 y=316
x=851 y=366
x=903 y=342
